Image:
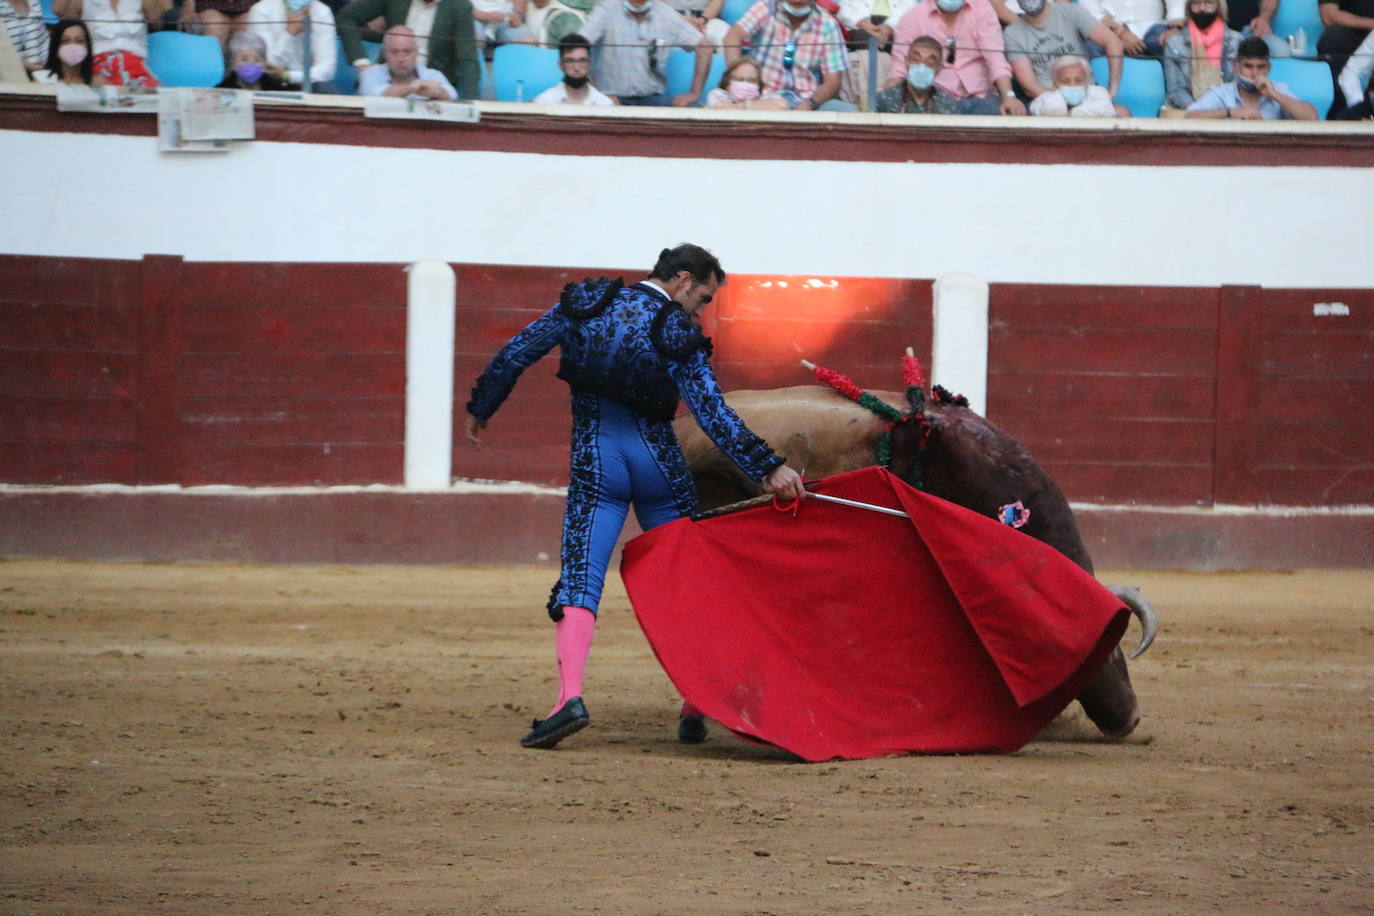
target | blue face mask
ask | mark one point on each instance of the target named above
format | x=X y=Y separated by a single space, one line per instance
x=801 y=12
x=1247 y=85
x=950 y=6
x=249 y=73
x=1074 y=95
x=635 y=9
x=296 y=6
x=919 y=76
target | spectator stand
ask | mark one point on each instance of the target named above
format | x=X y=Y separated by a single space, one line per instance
x=1310 y=80
x=520 y=72
x=680 y=66
x=345 y=76
x=183 y=59
x=1142 y=84
x=1295 y=15
x=734 y=9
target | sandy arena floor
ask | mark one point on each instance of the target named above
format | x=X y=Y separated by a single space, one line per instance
x=239 y=739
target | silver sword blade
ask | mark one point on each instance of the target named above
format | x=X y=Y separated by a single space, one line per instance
x=856 y=504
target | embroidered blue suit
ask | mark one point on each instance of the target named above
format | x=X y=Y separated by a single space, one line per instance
x=628 y=353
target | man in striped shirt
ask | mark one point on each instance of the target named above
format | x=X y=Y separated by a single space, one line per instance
x=793 y=43
x=27 y=32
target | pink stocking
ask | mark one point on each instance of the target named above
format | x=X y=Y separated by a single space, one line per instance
x=574 y=642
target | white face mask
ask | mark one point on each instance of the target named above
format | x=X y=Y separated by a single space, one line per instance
x=801 y=12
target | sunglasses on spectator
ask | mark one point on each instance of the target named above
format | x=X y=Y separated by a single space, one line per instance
x=949 y=50
x=789 y=55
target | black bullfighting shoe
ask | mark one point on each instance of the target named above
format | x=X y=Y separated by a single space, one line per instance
x=571 y=717
x=691 y=729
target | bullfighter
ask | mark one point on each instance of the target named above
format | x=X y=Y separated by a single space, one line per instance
x=629 y=354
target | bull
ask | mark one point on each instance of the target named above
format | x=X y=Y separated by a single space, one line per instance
x=956 y=455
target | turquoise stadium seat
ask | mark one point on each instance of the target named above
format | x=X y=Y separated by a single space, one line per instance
x=734 y=9
x=680 y=66
x=345 y=77
x=183 y=59
x=48 y=15
x=521 y=72
x=1299 y=14
x=1142 y=84
x=1310 y=80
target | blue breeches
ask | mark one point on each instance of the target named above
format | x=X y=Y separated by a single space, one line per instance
x=619 y=458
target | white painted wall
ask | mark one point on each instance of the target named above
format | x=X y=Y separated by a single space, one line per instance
x=117 y=197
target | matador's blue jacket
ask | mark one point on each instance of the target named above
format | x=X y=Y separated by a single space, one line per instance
x=635 y=347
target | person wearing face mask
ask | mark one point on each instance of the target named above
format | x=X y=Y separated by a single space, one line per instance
x=1200 y=57
x=1252 y=96
x=630 y=354
x=975 y=70
x=1074 y=94
x=248 y=67
x=281 y=23
x=575 y=60
x=69 y=56
x=918 y=94
x=800 y=51
x=741 y=87
x=1047 y=31
x=634 y=38
x=119 y=36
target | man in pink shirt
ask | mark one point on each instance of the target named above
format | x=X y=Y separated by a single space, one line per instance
x=975 y=71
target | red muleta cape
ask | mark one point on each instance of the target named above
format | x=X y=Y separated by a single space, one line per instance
x=842 y=632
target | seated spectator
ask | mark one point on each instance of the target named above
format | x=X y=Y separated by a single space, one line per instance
x=861 y=20
x=248 y=67
x=917 y=93
x=550 y=21
x=1363 y=110
x=1255 y=17
x=1046 y=32
x=499 y=22
x=1074 y=94
x=634 y=39
x=447 y=38
x=119 y=37
x=219 y=18
x=69 y=56
x=741 y=86
x=1143 y=26
x=975 y=71
x=1345 y=26
x=1188 y=73
x=1252 y=96
x=793 y=43
x=1357 y=71
x=575 y=60
x=281 y=23
x=27 y=32
x=402 y=74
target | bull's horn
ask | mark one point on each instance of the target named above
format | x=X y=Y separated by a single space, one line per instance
x=808 y=365
x=1144 y=612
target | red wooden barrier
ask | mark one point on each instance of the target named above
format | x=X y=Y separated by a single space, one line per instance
x=164 y=371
